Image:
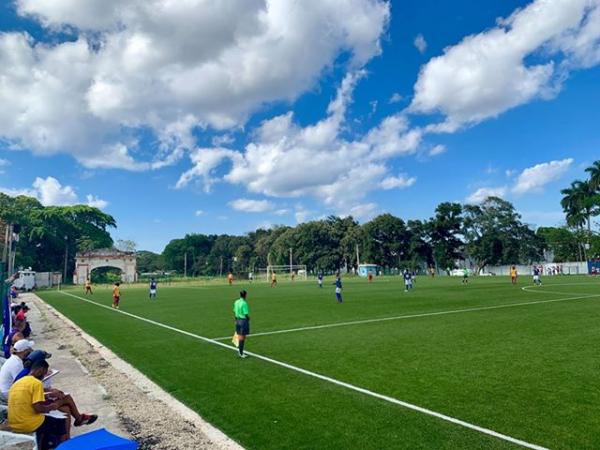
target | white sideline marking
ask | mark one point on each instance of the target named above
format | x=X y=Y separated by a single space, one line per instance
x=412 y=316
x=349 y=386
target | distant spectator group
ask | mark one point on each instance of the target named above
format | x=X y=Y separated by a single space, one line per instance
x=26 y=392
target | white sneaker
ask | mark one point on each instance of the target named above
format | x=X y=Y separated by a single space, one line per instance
x=243 y=355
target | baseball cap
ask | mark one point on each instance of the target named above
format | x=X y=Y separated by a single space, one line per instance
x=23 y=345
x=38 y=355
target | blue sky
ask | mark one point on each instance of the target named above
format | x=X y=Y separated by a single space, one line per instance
x=253 y=114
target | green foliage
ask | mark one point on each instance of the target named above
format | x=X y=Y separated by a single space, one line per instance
x=562 y=242
x=494 y=234
x=149 y=262
x=47 y=232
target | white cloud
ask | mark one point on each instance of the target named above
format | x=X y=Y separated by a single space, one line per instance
x=302 y=214
x=534 y=178
x=281 y=212
x=482 y=193
x=50 y=192
x=363 y=212
x=488 y=73
x=530 y=180
x=248 y=205
x=437 y=150
x=420 y=43
x=199 y=213
x=395 y=98
x=287 y=160
x=401 y=182
x=221 y=140
x=167 y=66
x=96 y=202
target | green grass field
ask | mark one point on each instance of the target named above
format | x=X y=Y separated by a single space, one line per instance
x=523 y=363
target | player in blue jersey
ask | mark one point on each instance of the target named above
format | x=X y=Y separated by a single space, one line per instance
x=408 y=283
x=536 y=276
x=152 y=289
x=320 y=279
x=338 y=288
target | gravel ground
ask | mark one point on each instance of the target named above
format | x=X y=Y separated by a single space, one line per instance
x=151 y=416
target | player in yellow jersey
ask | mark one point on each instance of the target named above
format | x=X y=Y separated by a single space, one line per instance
x=513 y=275
x=273 y=280
x=116 y=295
x=230 y=278
x=88 y=287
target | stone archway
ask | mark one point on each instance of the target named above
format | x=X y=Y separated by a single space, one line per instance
x=87 y=261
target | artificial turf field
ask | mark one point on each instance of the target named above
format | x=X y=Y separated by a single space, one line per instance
x=530 y=371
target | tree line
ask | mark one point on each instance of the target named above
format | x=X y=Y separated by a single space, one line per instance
x=489 y=233
x=51 y=234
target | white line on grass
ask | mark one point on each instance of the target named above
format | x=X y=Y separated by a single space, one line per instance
x=349 y=386
x=413 y=316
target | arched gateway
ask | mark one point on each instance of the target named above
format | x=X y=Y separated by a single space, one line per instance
x=87 y=261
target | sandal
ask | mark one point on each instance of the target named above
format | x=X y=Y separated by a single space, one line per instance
x=86 y=419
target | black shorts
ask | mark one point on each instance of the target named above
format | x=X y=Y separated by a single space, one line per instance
x=242 y=327
x=52 y=427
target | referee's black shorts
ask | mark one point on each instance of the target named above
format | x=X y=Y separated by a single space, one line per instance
x=242 y=327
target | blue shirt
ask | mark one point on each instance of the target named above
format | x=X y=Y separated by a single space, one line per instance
x=338 y=283
x=536 y=271
x=407 y=276
x=153 y=285
x=320 y=276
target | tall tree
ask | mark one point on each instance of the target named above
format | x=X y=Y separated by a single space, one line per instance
x=445 y=234
x=386 y=240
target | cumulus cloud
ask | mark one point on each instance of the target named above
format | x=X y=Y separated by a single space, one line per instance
x=50 y=192
x=249 y=205
x=420 y=43
x=401 y=182
x=437 y=150
x=198 y=213
x=96 y=202
x=395 y=98
x=482 y=193
x=287 y=160
x=530 y=180
x=490 y=72
x=534 y=178
x=168 y=67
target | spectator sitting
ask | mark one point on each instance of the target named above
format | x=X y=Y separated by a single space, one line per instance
x=13 y=292
x=36 y=355
x=13 y=365
x=27 y=405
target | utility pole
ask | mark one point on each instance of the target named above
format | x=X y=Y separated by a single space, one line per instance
x=221 y=268
x=66 y=258
x=185 y=265
x=291 y=271
x=357 y=257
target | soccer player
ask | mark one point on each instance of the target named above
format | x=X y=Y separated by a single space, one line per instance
x=273 y=280
x=88 y=287
x=407 y=280
x=230 y=278
x=250 y=277
x=293 y=276
x=116 y=295
x=513 y=275
x=320 y=279
x=465 y=279
x=241 y=315
x=536 y=276
x=338 y=288
x=370 y=277
x=152 y=289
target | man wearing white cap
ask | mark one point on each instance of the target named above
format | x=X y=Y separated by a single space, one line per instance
x=13 y=365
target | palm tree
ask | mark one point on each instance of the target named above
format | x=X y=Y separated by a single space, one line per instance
x=579 y=205
x=594 y=171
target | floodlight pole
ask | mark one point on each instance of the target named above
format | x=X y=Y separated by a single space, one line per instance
x=291 y=270
x=185 y=265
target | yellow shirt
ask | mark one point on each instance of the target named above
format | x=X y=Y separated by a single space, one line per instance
x=22 y=418
x=88 y=284
x=116 y=291
x=513 y=273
